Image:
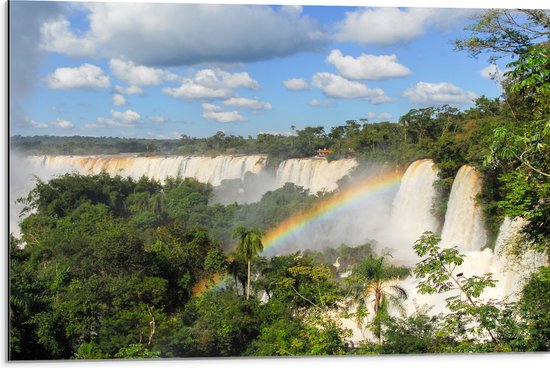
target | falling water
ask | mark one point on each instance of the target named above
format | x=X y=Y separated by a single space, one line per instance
x=205 y=169
x=464 y=225
x=412 y=206
x=315 y=174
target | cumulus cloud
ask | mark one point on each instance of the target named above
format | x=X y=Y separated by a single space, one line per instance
x=124 y=119
x=63 y=124
x=378 y=116
x=131 y=90
x=439 y=94
x=94 y=126
x=370 y=67
x=86 y=76
x=339 y=87
x=58 y=37
x=492 y=72
x=319 y=103
x=253 y=104
x=157 y=119
x=119 y=100
x=214 y=112
x=127 y=117
x=185 y=34
x=27 y=121
x=386 y=26
x=136 y=75
x=212 y=84
x=296 y=84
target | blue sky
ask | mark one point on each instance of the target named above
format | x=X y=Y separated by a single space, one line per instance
x=163 y=70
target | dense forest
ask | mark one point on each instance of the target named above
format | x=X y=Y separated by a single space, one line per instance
x=111 y=267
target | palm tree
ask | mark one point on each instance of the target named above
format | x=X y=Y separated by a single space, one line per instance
x=249 y=244
x=374 y=283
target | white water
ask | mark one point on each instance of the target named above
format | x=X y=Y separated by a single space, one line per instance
x=205 y=169
x=410 y=210
x=464 y=226
x=315 y=174
x=412 y=206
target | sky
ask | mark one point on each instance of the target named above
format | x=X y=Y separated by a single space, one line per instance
x=150 y=70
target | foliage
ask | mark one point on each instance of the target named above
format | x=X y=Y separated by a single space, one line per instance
x=373 y=285
x=534 y=305
x=504 y=32
x=415 y=334
x=494 y=322
x=112 y=267
x=249 y=244
x=136 y=351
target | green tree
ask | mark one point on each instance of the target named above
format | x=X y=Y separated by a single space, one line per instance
x=471 y=315
x=249 y=244
x=521 y=149
x=374 y=284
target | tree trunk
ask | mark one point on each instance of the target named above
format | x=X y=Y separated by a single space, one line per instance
x=248 y=283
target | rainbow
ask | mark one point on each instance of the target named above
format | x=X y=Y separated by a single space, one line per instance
x=359 y=191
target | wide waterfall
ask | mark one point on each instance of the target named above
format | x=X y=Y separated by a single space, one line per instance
x=412 y=206
x=205 y=169
x=315 y=174
x=464 y=226
x=394 y=221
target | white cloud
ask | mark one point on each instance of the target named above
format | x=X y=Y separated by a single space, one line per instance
x=210 y=107
x=378 y=116
x=438 y=94
x=492 y=72
x=124 y=119
x=339 y=87
x=27 y=121
x=192 y=90
x=296 y=84
x=86 y=76
x=63 y=124
x=217 y=78
x=127 y=117
x=387 y=26
x=94 y=126
x=58 y=37
x=131 y=90
x=318 y=103
x=177 y=34
x=119 y=100
x=212 y=84
x=254 y=104
x=213 y=112
x=157 y=119
x=371 y=67
x=136 y=75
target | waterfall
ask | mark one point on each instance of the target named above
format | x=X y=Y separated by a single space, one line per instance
x=464 y=225
x=315 y=174
x=412 y=206
x=205 y=169
x=514 y=270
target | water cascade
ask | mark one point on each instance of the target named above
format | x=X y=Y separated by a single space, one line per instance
x=412 y=206
x=368 y=219
x=464 y=225
x=205 y=169
x=315 y=174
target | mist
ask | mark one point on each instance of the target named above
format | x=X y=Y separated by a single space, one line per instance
x=23 y=175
